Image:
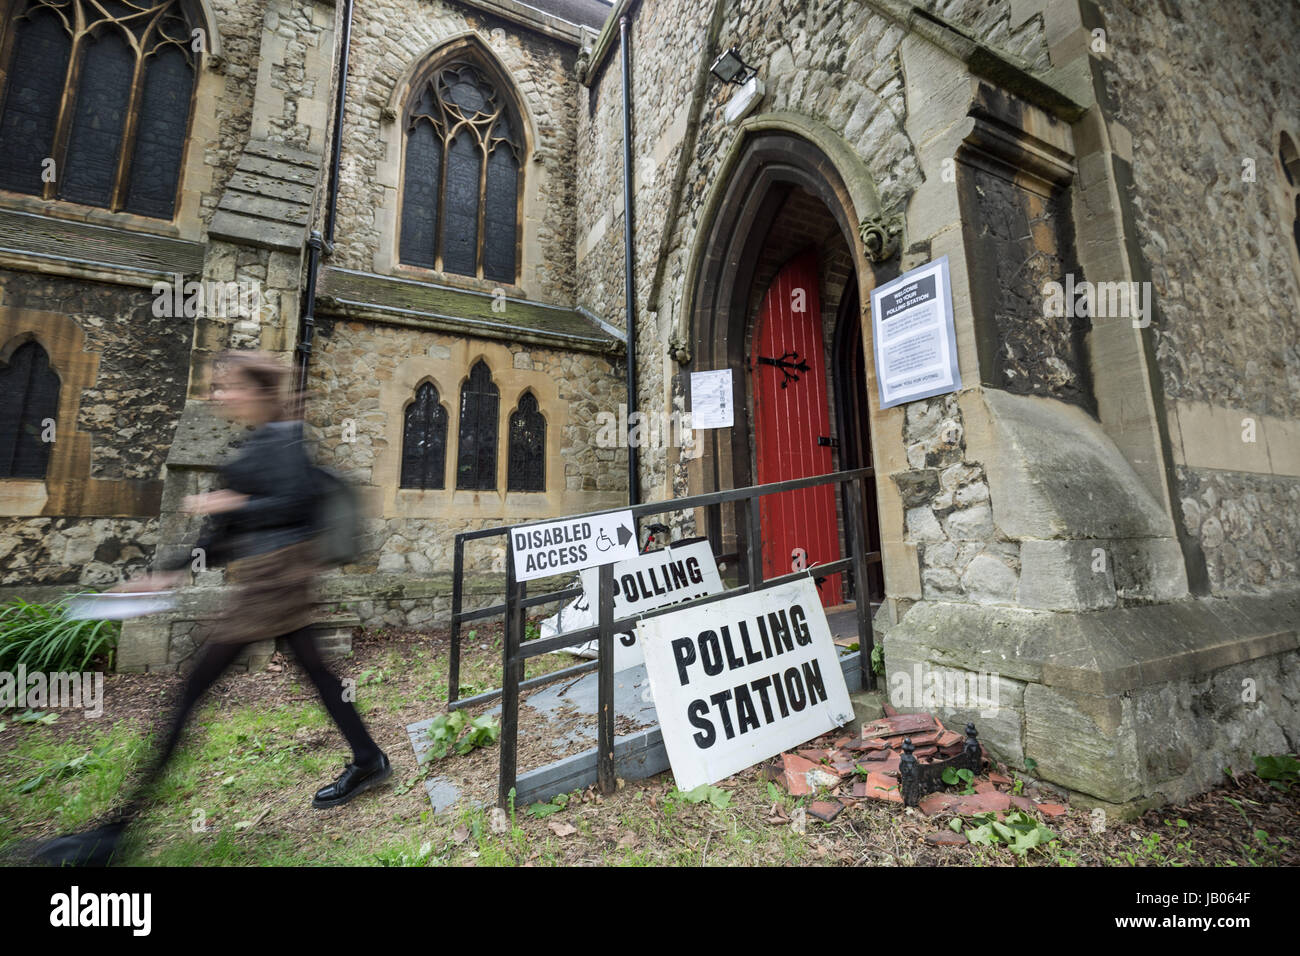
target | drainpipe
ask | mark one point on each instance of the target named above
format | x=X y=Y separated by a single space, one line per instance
x=316 y=244
x=629 y=245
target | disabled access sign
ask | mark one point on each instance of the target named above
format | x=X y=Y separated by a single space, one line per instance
x=571 y=544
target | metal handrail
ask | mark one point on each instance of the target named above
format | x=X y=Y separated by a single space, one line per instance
x=516 y=651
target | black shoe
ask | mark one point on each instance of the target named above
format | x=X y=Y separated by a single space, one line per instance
x=354 y=780
x=91 y=848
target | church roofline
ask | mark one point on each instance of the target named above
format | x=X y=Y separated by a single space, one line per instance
x=543 y=21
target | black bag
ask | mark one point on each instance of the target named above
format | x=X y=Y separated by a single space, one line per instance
x=336 y=518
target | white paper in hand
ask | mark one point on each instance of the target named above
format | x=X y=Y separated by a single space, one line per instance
x=118 y=606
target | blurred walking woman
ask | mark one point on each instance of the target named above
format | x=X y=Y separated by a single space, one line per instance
x=260 y=525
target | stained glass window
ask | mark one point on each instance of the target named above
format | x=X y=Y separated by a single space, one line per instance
x=476 y=461
x=526 y=466
x=96 y=105
x=424 y=441
x=29 y=403
x=460 y=188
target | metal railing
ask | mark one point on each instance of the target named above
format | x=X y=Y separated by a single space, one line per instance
x=516 y=651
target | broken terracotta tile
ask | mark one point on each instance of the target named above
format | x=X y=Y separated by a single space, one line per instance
x=948 y=739
x=995 y=801
x=1022 y=803
x=946 y=838
x=933 y=803
x=995 y=777
x=886 y=764
x=901 y=724
x=815 y=756
x=926 y=739
x=925 y=752
x=872 y=743
x=794 y=775
x=889 y=709
x=985 y=786
x=878 y=787
x=844 y=767
x=841 y=742
x=1051 y=809
x=826 y=810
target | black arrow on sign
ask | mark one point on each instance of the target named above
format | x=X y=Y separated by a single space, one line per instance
x=624 y=536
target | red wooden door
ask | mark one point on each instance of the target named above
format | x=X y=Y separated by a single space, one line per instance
x=790 y=415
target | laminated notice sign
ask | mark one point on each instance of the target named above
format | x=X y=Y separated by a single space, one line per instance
x=916 y=350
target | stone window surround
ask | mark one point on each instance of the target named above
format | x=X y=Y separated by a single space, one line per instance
x=448 y=375
x=68 y=489
x=196 y=177
x=389 y=170
x=1287 y=195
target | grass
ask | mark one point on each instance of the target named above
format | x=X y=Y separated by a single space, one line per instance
x=239 y=788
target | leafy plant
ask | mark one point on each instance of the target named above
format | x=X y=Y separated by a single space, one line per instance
x=1280 y=770
x=456 y=731
x=963 y=776
x=540 y=811
x=1260 y=848
x=1030 y=765
x=1019 y=831
x=706 y=792
x=90 y=760
x=30 y=716
x=1018 y=787
x=878 y=659
x=42 y=638
x=402 y=858
x=532 y=631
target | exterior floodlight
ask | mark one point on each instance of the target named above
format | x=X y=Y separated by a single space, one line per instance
x=730 y=68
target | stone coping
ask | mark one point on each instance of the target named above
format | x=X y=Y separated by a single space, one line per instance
x=143 y=257
x=1107 y=652
x=364 y=295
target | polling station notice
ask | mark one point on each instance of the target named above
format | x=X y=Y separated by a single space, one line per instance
x=557 y=547
x=743 y=679
x=912 y=332
x=658 y=579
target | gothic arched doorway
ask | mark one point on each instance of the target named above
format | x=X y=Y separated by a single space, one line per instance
x=785 y=223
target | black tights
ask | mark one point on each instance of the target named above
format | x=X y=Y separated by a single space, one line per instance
x=213 y=663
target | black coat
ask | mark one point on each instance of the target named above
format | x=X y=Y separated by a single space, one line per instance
x=272 y=468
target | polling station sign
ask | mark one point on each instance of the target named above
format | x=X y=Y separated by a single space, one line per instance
x=572 y=544
x=743 y=679
x=654 y=580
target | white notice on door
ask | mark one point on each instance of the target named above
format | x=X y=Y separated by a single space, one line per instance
x=711 y=403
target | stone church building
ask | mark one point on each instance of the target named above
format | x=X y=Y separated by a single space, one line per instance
x=425 y=206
